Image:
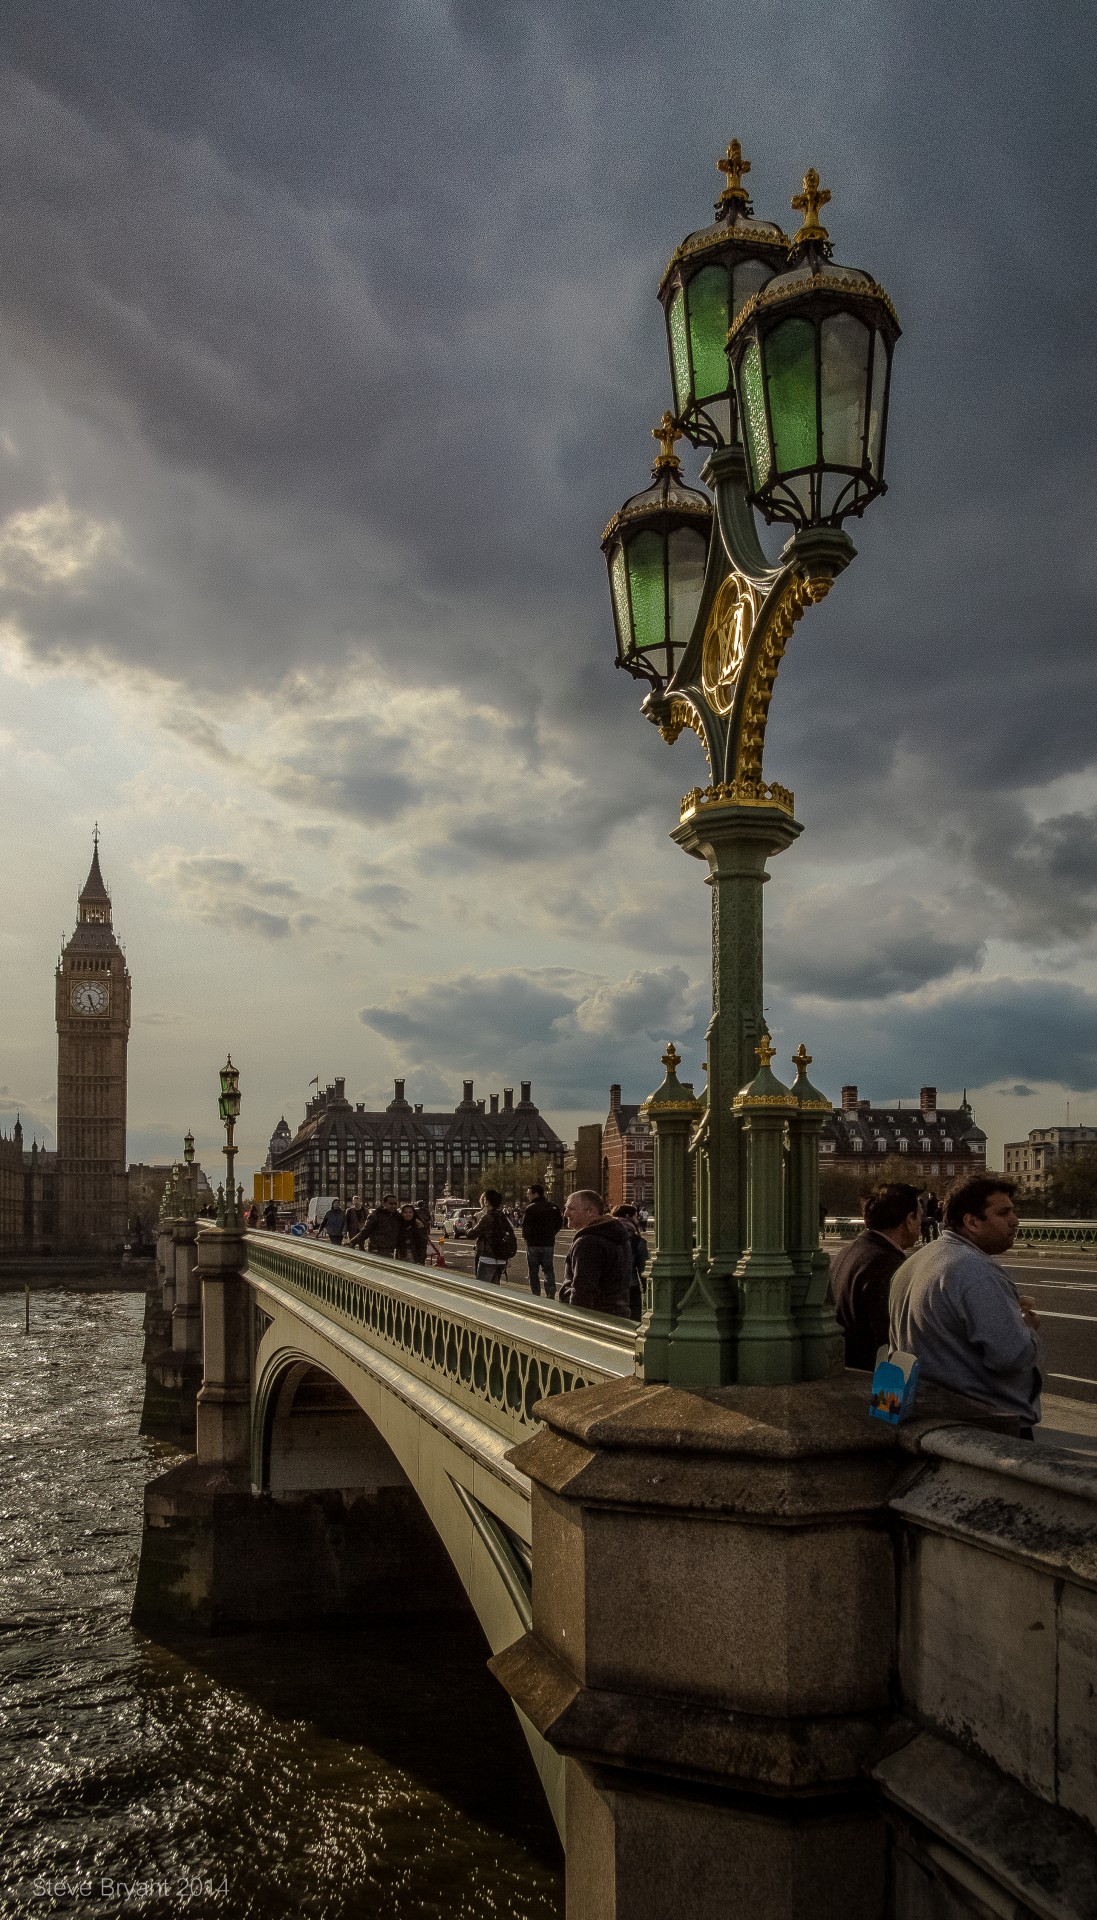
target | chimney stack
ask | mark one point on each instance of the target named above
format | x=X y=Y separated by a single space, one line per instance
x=399 y=1090
x=927 y=1100
x=466 y=1100
x=508 y=1099
x=849 y=1099
x=495 y=1103
x=526 y=1087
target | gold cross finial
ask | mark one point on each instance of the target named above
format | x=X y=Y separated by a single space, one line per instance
x=801 y=1059
x=808 y=201
x=666 y=460
x=672 y=1059
x=765 y=1050
x=734 y=166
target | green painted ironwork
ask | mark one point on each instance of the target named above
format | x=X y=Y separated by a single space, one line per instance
x=739 y=1280
x=494 y=1356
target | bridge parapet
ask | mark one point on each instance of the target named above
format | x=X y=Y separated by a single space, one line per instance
x=489 y=1352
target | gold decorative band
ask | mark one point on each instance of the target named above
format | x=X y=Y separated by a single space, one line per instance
x=738 y=793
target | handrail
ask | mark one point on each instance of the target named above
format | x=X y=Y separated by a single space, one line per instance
x=473 y=1341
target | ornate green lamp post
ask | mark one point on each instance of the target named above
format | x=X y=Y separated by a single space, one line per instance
x=187 y=1207
x=230 y=1209
x=769 y=333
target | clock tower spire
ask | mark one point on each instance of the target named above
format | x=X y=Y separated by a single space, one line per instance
x=93 y=1023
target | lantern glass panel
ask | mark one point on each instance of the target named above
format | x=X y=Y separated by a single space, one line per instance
x=876 y=405
x=679 y=350
x=754 y=414
x=687 y=552
x=844 y=349
x=790 y=372
x=622 y=615
x=708 y=330
x=646 y=578
x=749 y=278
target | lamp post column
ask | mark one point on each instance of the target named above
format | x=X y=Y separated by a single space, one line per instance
x=736 y=841
x=821 y=1344
x=671 y=1113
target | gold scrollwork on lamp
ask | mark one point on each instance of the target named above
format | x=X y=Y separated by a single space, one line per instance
x=734 y=612
x=799 y=593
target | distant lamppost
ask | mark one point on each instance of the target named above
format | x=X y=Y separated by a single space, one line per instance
x=781 y=368
x=230 y=1210
x=187 y=1207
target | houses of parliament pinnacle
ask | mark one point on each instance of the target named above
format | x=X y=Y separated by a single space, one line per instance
x=74 y=1199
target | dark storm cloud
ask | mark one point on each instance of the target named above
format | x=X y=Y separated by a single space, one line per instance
x=342 y=322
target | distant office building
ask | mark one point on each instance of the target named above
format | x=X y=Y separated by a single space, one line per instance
x=939 y=1143
x=341 y=1149
x=1031 y=1162
x=628 y=1171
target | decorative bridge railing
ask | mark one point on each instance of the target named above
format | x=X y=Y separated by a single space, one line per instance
x=1057 y=1233
x=490 y=1351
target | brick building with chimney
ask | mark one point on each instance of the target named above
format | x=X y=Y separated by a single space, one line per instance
x=939 y=1143
x=628 y=1170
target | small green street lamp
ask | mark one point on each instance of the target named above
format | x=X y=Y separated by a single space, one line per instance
x=230 y=1212
x=188 y=1196
x=769 y=333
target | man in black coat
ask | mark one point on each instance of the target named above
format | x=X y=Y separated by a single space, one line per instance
x=382 y=1229
x=861 y=1275
x=598 y=1267
x=541 y=1223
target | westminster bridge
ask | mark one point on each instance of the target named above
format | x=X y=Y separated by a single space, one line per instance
x=770 y=1656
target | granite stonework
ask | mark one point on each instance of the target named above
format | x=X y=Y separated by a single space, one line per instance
x=738 y=1626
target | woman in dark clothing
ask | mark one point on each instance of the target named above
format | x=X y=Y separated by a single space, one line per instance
x=639 y=1250
x=411 y=1240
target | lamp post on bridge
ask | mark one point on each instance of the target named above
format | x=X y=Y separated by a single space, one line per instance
x=230 y=1208
x=781 y=368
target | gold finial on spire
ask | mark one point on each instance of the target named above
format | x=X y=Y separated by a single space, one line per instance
x=672 y=1059
x=808 y=201
x=765 y=1050
x=666 y=460
x=734 y=166
x=801 y=1059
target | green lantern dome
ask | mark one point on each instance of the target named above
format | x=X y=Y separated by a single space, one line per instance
x=811 y=357
x=656 y=547
x=710 y=279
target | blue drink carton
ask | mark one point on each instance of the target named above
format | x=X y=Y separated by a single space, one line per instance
x=894 y=1385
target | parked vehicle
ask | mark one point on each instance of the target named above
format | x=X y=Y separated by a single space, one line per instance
x=446 y=1211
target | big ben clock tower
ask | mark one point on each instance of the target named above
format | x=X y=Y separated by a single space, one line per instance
x=93 y=1023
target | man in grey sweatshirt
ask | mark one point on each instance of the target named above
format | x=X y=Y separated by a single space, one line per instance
x=957 y=1309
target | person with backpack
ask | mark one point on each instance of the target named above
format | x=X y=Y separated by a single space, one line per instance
x=495 y=1238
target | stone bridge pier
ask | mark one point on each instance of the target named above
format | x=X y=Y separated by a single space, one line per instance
x=772 y=1658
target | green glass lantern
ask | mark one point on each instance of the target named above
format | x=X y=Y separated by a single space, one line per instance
x=656 y=547
x=712 y=276
x=811 y=357
x=228 y=1106
x=188 y=1148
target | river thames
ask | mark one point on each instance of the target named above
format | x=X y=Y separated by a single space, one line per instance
x=336 y=1772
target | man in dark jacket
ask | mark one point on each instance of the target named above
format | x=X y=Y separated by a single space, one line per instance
x=861 y=1275
x=541 y=1223
x=356 y=1220
x=639 y=1250
x=598 y=1268
x=270 y=1216
x=334 y=1223
x=412 y=1243
x=382 y=1229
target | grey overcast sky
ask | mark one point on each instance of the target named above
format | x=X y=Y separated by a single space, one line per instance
x=330 y=343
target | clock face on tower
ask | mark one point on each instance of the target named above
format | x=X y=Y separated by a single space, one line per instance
x=89 y=996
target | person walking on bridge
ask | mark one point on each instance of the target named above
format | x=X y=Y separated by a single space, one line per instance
x=598 y=1268
x=412 y=1239
x=541 y=1222
x=381 y=1232
x=356 y=1220
x=495 y=1238
x=334 y=1223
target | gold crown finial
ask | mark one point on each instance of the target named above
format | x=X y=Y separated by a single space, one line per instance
x=801 y=1059
x=672 y=1059
x=765 y=1050
x=734 y=166
x=666 y=460
x=808 y=201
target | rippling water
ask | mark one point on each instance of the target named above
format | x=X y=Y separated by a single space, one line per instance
x=332 y=1773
